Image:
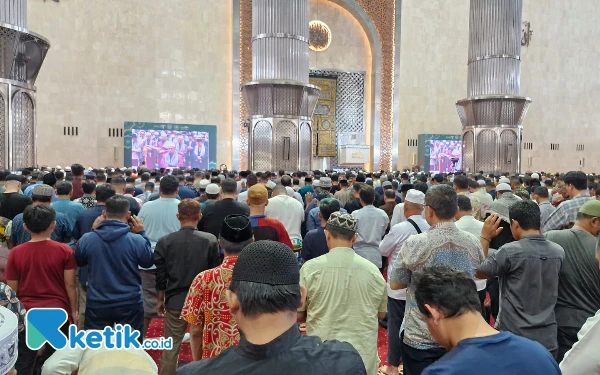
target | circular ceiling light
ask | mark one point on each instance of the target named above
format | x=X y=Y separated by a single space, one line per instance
x=320 y=36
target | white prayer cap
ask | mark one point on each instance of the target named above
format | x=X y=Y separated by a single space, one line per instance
x=203 y=183
x=213 y=189
x=415 y=196
x=9 y=332
x=535 y=176
x=503 y=187
x=481 y=182
x=290 y=191
x=504 y=180
x=58 y=167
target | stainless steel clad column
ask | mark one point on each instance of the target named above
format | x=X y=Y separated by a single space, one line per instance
x=21 y=56
x=279 y=100
x=493 y=114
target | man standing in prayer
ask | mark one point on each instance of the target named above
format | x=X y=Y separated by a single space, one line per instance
x=390 y=247
x=12 y=202
x=160 y=219
x=265 y=228
x=315 y=243
x=442 y=244
x=566 y=213
x=345 y=293
x=263 y=297
x=372 y=223
x=527 y=303
x=179 y=257
x=541 y=196
x=213 y=214
x=113 y=251
x=88 y=200
x=289 y=212
x=64 y=205
x=213 y=327
x=579 y=277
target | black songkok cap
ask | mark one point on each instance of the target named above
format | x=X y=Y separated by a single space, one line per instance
x=236 y=228
x=267 y=262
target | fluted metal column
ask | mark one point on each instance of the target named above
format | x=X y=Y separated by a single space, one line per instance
x=279 y=100
x=22 y=53
x=14 y=12
x=493 y=113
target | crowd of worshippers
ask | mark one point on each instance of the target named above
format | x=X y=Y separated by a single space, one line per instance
x=294 y=273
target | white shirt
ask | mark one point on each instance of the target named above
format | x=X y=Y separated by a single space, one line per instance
x=294 y=194
x=398 y=215
x=583 y=356
x=242 y=197
x=239 y=184
x=289 y=211
x=392 y=244
x=469 y=224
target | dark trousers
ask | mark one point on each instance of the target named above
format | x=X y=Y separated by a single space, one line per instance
x=395 y=316
x=28 y=362
x=102 y=318
x=567 y=337
x=416 y=360
x=484 y=312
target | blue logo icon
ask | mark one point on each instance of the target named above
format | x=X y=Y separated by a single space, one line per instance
x=43 y=326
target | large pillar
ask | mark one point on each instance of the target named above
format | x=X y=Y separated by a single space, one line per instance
x=279 y=100
x=493 y=114
x=21 y=56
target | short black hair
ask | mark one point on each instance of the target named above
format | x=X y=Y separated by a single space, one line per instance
x=438 y=177
x=474 y=184
x=49 y=179
x=129 y=189
x=77 y=169
x=367 y=194
x=149 y=185
x=328 y=206
x=286 y=181
x=442 y=199
x=59 y=175
x=64 y=188
x=116 y=206
x=344 y=183
x=101 y=177
x=215 y=180
x=527 y=213
x=404 y=176
x=38 y=218
x=335 y=177
x=169 y=185
x=257 y=299
x=129 y=180
x=3 y=174
x=228 y=186
x=357 y=186
x=422 y=187
x=145 y=176
x=389 y=193
x=541 y=192
x=119 y=180
x=41 y=198
x=404 y=188
x=452 y=292
x=464 y=203
x=576 y=178
x=461 y=182
x=103 y=192
x=88 y=186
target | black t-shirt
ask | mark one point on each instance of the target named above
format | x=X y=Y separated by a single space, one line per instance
x=214 y=214
x=12 y=204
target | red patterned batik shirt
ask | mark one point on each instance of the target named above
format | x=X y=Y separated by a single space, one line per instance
x=206 y=304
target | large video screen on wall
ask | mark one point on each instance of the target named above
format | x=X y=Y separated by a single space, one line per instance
x=170 y=146
x=440 y=153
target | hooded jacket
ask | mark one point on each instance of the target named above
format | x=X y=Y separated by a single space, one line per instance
x=113 y=255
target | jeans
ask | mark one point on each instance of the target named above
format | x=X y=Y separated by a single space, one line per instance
x=175 y=328
x=102 y=318
x=416 y=360
x=395 y=317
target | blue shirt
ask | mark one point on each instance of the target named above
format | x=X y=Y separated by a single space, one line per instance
x=314 y=244
x=62 y=232
x=70 y=209
x=160 y=219
x=29 y=189
x=186 y=192
x=500 y=354
x=314 y=221
x=83 y=225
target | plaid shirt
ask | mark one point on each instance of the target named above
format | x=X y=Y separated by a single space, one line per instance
x=565 y=215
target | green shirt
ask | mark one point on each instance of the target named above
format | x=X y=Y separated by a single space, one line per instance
x=344 y=293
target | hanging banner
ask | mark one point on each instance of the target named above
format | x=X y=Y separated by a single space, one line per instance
x=324 y=134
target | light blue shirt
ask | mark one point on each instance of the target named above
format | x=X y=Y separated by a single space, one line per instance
x=160 y=219
x=70 y=209
x=371 y=226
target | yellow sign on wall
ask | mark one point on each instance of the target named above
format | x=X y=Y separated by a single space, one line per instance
x=324 y=134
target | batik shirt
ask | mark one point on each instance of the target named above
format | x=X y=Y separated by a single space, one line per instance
x=61 y=233
x=206 y=304
x=444 y=244
x=9 y=300
x=87 y=201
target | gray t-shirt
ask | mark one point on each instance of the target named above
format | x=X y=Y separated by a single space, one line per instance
x=579 y=278
x=528 y=272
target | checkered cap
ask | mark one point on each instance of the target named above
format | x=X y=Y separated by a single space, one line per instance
x=342 y=221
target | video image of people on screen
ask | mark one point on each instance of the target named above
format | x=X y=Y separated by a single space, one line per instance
x=445 y=156
x=169 y=149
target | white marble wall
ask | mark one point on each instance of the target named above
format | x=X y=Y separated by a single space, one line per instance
x=113 y=61
x=559 y=72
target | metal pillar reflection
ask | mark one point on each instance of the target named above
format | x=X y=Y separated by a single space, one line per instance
x=22 y=53
x=493 y=114
x=279 y=100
